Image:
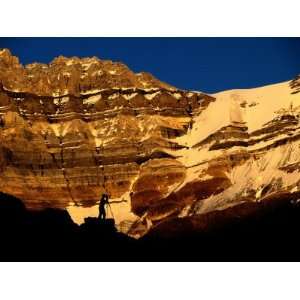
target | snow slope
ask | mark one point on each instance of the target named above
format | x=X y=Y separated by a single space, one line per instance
x=253 y=107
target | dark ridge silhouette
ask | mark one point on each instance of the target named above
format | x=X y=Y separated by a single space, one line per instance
x=250 y=232
x=263 y=231
x=51 y=235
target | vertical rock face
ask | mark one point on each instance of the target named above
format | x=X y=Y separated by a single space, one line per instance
x=75 y=128
x=243 y=148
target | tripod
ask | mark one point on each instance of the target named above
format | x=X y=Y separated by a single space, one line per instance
x=111 y=210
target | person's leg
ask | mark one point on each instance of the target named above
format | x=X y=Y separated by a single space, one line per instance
x=101 y=213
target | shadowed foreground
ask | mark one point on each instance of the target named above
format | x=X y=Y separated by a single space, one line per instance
x=268 y=234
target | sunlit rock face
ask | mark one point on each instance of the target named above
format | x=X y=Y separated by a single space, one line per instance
x=240 y=151
x=75 y=128
x=295 y=85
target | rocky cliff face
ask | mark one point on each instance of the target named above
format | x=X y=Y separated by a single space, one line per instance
x=77 y=127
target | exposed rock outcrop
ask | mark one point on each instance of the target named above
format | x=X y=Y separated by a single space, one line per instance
x=77 y=127
x=241 y=150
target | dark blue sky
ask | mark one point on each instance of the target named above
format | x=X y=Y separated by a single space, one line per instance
x=206 y=64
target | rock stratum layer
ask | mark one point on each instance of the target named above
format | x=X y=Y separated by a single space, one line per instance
x=75 y=128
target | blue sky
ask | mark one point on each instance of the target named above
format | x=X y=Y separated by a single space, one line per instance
x=205 y=64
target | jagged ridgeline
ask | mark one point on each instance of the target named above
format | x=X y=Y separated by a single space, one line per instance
x=77 y=127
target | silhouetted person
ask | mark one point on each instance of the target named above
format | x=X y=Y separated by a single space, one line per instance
x=102 y=203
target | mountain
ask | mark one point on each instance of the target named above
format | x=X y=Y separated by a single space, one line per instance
x=77 y=127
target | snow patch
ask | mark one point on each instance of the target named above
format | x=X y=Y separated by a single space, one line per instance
x=129 y=96
x=86 y=66
x=95 y=91
x=92 y=99
x=114 y=96
x=271 y=99
x=64 y=100
x=176 y=95
x=151 y=96
x=70 y=62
